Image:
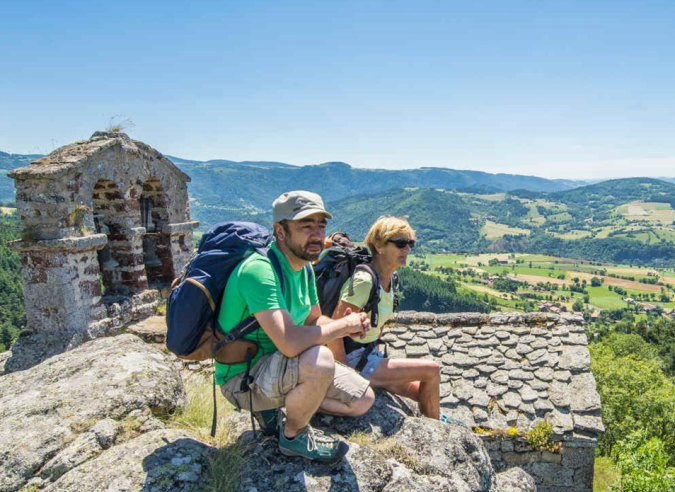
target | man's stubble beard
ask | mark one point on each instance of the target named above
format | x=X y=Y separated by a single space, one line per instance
x=300 y=251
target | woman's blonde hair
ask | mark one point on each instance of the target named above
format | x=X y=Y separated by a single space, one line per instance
x=385 y=228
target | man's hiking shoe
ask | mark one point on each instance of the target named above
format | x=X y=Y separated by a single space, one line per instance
x=313 y=445
x=448 y=420
x=268 y=420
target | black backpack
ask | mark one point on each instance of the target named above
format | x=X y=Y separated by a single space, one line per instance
x=337 y=264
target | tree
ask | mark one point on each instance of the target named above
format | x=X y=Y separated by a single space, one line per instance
x=5 y=337
x=643 y=463
x=578 y=305
x=636 y=394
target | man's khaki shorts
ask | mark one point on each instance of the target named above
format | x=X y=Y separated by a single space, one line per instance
x=274 y=375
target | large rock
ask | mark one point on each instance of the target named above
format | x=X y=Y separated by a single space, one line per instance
x=65 y=428
x=400 y=452
x=45 y=411
x=160 y=460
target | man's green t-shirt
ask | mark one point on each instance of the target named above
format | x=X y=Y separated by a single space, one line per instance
x=253 y=287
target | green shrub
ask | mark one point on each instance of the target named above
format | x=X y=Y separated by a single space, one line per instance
x=643 y=463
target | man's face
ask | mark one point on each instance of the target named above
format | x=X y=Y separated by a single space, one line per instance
x=304 y=238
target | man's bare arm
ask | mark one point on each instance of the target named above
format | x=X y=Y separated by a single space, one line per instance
x=292 y=339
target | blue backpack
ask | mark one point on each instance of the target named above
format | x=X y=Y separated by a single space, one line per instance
x=192 y=310
x=193 y=332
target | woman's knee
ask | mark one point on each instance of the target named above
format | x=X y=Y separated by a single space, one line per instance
x=433 y=369
x=363 y=404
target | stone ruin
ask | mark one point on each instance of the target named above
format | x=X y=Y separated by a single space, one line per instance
x=106 y=227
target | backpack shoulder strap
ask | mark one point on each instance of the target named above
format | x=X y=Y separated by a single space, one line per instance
x=394 y=286
x=250 y=324
x=373 y=302
x=276 y=265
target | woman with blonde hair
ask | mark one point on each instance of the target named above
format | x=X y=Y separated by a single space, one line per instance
x=390 y=241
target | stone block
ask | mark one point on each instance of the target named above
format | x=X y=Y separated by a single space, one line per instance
x=588 y=423
x=480 y=399
x=523 y=349
x=575 y=458
x=493 y=389
x=528 y=394
x=519 y=459
x=549 y=457
x=586 y=397
x=539 y=343
x=527 y=339
x=480 y=353
x=499 y=377
x=511 y=399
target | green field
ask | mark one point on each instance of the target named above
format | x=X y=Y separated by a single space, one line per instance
x=494 y=197
x=576 y=234
x=493 y=230
x=604 y=299
x=531 y=270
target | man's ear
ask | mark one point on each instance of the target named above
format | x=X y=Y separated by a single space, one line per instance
x=279 y=231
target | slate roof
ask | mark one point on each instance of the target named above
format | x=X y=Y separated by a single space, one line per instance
x=79 y=154
x=505 y=370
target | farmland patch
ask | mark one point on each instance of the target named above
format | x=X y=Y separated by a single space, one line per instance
x=493 y=230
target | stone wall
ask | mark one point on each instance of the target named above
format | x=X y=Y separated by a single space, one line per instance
x=570 y=469
x=512 y=371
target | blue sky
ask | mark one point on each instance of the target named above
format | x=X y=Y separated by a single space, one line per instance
x=558 y=89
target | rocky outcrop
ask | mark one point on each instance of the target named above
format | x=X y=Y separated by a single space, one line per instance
x=75 y=406
x=391 y=450
x=85 y=420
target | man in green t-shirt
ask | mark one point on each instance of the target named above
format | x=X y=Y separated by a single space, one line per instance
x=293 y=367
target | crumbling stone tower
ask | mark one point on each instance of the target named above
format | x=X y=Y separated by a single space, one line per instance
x=107 y=226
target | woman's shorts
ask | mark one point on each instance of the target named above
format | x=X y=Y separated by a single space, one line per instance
x=374 y=359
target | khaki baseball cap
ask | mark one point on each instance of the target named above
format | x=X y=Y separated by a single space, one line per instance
x=296 y=205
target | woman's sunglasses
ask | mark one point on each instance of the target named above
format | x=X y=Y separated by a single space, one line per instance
x=402 y=243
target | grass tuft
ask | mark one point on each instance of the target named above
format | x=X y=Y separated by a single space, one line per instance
x=389 y=448
x=223 y=472
x=116 y=125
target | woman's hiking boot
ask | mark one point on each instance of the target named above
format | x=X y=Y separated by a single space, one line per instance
x=268 y=421
x=449 y=420
x=313 y=445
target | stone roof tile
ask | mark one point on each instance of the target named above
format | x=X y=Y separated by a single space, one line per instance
x=529 y=365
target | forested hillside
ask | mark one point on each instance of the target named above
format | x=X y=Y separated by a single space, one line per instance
x=220 y=187
x=12 y=312
x=628 y=221
x=441 y=220
x=7 y=163
x=421 y=292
